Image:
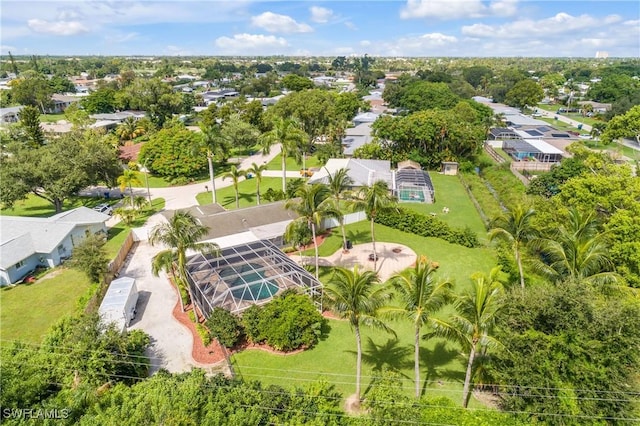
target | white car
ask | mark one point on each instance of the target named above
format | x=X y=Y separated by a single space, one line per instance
x=104 y=208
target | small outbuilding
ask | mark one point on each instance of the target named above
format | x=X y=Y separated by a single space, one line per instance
x=119 y=304
x=449 y=168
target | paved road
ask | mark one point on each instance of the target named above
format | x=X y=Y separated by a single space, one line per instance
x=574 y=123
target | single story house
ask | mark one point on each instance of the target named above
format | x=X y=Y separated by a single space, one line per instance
x=533 y=148
x=355 y=137
x=362 y=172
x=28 y=242
x=61 y=103
x=10 y=114
x=365 y=117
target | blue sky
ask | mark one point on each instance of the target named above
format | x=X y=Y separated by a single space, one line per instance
x=329 y=28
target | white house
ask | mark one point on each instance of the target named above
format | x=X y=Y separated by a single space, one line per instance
x=362 y=172
x=10 y=114
x=28 y=242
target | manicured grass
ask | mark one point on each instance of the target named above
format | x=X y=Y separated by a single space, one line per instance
x=450 y=193
x=28 y=310
x=34 y=206
x=154 y=181
x=247 y=193
x=292 y=165
x=119 y=232
x=51 y=118
x=572 y=115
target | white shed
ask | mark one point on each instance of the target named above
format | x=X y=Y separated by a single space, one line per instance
x=119 y=303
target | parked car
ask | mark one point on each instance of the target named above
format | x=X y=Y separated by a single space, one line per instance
x=104 y=208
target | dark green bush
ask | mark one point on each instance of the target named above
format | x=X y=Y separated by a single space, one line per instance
x=204 y=334
x=426 y=226
x=290 y=321
x=251 y=324
x=225 y=327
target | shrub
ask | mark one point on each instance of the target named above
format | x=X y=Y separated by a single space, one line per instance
x=271 y=195
x=225 y=327
x=426 y=226
x=204 y=334
x=251 y=323
x=192 y=316
x=290 y=321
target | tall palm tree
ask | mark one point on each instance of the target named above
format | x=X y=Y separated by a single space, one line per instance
x=472 y=323
x=127 y=180
x=256 y=170
x=339 y=184
x=235 y=174
x=129 y=129
x=421 y=296
x=297 y=234
x=358 y=297
x=576 y=251
x=288 y=134
x=181 y=233
x=372 y=199
x=312 y=208
x=215 y=145
x=516 y=229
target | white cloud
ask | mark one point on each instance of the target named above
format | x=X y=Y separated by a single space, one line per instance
x=350 y=25
x=456 y=9
x=365 y=43
x=320 y=15
x=275 y=23
x=59 y=28
x=430 y=44
x=244 y=44
x=121 y=38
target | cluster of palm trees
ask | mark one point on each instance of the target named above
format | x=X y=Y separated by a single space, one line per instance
x=416 y=296
x=318 y=201
x=235 y=174
x=575 y=251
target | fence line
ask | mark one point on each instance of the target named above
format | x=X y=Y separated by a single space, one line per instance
x=481 y=212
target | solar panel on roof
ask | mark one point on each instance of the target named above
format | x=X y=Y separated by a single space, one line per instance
x=560 y=135
x=534 y=132
x=544 y=129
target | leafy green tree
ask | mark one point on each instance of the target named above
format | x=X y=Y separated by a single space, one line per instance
x=128 y=215
x=128 y=179
x=59 y=169
x=476 y=312
x=235 y=174
x=153 y=96
x=172 y=152
x=524 y=93
x=624 y=126
x=516 y=229
x=101 y=101
x=298 y=235
x=239 y=133
x=358 y=297
x=30 y=125
x=372 y=200
x=296 y=82
x=61 y=84
x=180 y=233
x=474 y=75
x=32 y=89
x=129 y=129
x=288 y=134
x=224 y=327
x=216 y=147
x=312 y=208
x=423 y=95
x=256 y=171
x=420 y=298
x=90 y=257
x=348 y=104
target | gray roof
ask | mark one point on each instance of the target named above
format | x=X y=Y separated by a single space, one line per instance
x=25 y=236
x=10 y=110
x=362 y=172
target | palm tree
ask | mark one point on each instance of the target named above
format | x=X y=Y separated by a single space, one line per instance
x=338 y=185
x=576 y=252
x=420 y=297
x=235 y=174
x=372 y=199
x=473 y=321
x=127 y=180
x=215 y=145
x=181 y=233
x=312 y=208
x=129 y=129
x=288 y=134
x=256 y=170
x=516 y=229
x=297 y=234
x=358 y=298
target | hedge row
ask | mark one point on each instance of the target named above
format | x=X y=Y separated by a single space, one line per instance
x=426 y=226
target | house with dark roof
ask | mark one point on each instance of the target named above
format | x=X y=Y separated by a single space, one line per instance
x=29 y=242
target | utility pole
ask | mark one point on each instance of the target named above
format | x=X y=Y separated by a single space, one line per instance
x=146 y=180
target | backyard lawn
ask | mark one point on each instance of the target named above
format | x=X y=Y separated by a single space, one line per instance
x=450 y=193
x=28 y=310
x=34 y=206
x=292 y=165
x=247 y=193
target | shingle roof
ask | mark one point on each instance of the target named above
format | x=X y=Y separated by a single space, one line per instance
x=362 y=172
x=24 y=236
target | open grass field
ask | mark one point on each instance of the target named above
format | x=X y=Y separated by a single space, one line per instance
x=572 y=115
x=450 y=193
x=247 y=193
x=28 y=310
x=51 y=118
x=292 y=165
x=34 y=206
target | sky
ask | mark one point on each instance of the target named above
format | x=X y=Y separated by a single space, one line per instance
x=393 y=28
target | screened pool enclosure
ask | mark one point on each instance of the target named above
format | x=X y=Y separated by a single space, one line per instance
x=245 y=275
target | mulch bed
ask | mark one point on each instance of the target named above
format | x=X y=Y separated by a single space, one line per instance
x=319 y=240
x=211 y=354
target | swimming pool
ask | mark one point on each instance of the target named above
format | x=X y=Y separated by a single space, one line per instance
x=411 y=195
x=255 y=285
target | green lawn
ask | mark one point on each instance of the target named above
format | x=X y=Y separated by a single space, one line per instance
x=572 y=115
x=247 y=190
x=292 y=165
x=51 y=118
x=28 y=310
x=34 y=206
x=119 y=232
x=450 y=193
